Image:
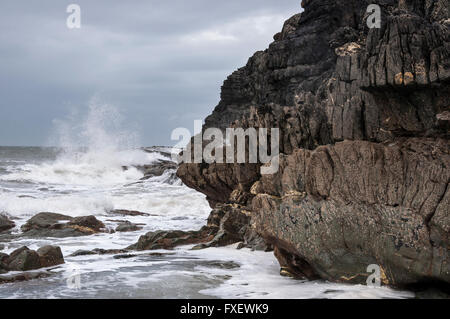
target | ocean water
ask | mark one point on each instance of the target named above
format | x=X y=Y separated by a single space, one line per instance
x=80 y=181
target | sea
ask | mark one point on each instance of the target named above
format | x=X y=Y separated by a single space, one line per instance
x=85 y=175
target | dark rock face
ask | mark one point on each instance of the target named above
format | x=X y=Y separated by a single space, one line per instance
x=60 y=226
x=364 y=141
x=6 y=223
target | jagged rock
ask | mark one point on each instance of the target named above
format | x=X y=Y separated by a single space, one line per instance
x=364 y=142
x=157 y=169
x=6 y=223
x=50 y=256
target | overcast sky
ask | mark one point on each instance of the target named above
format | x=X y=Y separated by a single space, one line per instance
x=159 y=62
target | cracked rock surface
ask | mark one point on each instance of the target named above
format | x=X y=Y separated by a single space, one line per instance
x=364 y=141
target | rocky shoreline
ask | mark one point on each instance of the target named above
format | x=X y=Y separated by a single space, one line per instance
x=365 y=156
x=364 y=143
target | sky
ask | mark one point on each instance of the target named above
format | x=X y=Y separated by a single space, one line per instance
x=159 y=63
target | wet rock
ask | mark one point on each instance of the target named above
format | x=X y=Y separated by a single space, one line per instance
x=24 y=276
x=127 y=227
x=23 y=259
x=2 y=247
x=170 y=239
x=6 y=223
x=61 y=226
x=222 y=264
x=99 y=251
x=45 y=221
x=232 y=224
x=157 y=169
x=87 y=223
x=125 y=212
x=3 y=263
x=82 y=252
x=50 y=256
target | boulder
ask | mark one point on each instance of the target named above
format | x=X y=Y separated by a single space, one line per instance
x=6 y=223
x=87 y=222
x=61 y=226
x=23 y=259
x=45 y=221
x=50 y=256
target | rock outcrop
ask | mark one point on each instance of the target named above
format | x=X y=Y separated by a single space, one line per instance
x=364 y=142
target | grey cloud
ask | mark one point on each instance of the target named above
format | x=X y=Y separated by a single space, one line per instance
x=160 y=62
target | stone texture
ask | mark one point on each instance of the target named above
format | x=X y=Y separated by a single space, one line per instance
x=364 y=138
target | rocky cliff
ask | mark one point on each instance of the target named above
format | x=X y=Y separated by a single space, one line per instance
x=364 y=118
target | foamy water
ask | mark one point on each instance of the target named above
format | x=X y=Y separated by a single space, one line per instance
x=92 y=181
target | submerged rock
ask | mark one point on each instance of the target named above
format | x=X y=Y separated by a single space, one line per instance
x=125 y=212
x=98 y=251
x=25 y=276
x=127 y=227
